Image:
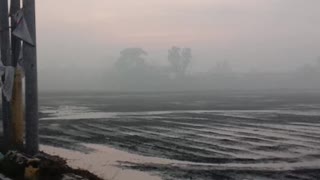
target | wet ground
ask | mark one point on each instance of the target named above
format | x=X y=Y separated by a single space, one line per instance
x=208 y=135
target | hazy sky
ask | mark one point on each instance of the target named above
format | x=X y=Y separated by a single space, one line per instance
x=266 y=34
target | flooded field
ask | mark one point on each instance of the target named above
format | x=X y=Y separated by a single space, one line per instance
x=201 y=135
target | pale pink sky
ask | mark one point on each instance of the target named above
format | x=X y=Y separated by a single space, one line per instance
x=250 y=33
x=155 y=22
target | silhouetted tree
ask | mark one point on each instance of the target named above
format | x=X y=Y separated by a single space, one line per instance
x=131 y=59
x=179 y=59
x=222 y=67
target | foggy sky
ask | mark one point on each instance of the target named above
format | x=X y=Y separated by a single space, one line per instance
x=267 y=35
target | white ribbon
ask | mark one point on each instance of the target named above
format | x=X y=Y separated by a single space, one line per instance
x=21 y=30
x=7 y=84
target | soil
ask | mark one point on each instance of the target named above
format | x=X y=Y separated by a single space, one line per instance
x=51 y=168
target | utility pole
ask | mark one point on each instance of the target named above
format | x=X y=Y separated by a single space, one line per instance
x=31 y=82
x=17 y=116
x=6 y=59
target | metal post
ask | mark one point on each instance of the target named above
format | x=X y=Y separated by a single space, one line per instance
x=31 y=83
x=15 y=42
x=17 y=115
x=6 y=59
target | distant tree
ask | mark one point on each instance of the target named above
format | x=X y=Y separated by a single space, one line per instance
x=186 y=59
x=223 y=67
x=131 y=59
x=179 y=60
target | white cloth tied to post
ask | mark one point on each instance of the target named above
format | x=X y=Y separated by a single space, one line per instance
x=7 y=84
x=21 y=30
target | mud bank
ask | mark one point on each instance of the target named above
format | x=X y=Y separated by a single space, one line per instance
x=105 y=162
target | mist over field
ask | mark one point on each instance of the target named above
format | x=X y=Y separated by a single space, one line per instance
x=143 y=76
x=247 y=44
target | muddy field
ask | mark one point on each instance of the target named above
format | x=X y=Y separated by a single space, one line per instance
x=232 y=135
